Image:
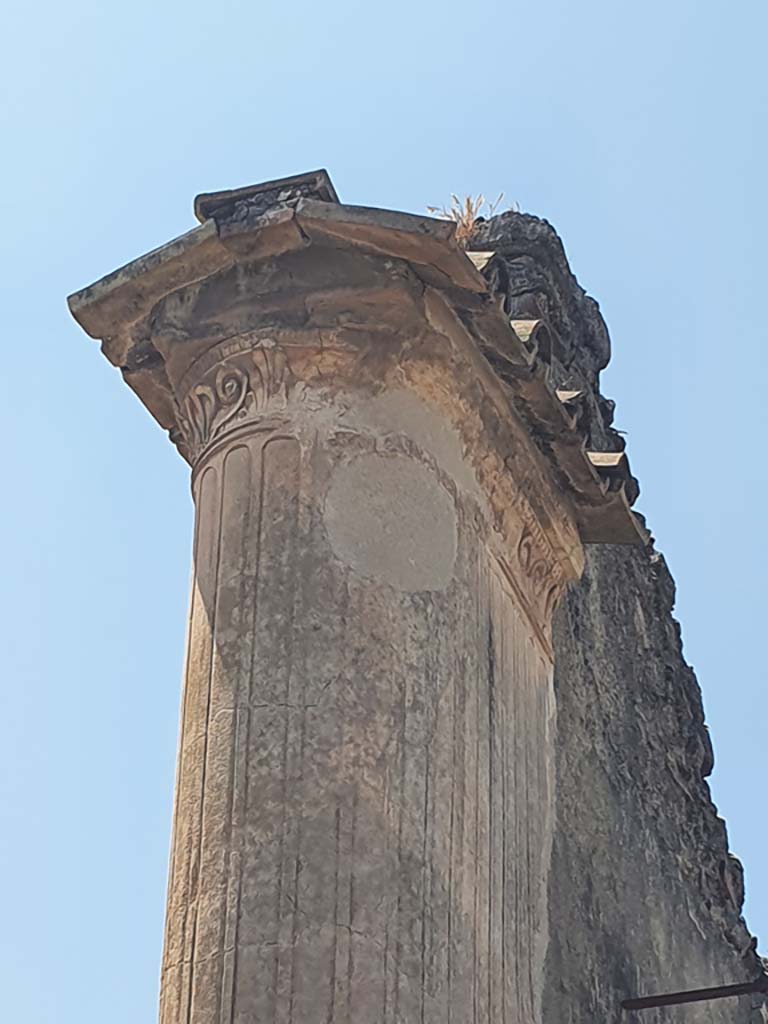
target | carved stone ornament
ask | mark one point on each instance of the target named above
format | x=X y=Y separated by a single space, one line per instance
x=240 y=382
x=536 y=569
x=540 y=575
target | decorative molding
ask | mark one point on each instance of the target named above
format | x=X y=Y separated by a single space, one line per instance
x=241 y=381
x=536 y=576
x=536 y=567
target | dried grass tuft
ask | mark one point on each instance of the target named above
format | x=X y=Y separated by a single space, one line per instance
x=465 y=213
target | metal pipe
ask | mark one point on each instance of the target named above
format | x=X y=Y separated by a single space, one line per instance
x=698 y=995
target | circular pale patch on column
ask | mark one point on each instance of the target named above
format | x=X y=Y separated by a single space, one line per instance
x=389 y=518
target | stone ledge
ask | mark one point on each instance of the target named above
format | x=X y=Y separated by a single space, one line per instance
x=262 y=222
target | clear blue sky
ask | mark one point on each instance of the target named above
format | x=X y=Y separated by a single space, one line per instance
x=639 y=130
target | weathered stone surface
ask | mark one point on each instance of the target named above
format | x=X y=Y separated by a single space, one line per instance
x=361 y=834
x=640 y=864
x=644 y=895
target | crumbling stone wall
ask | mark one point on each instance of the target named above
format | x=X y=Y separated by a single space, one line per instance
x=644 y=895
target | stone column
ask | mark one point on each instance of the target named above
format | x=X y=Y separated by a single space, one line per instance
x=364 y=794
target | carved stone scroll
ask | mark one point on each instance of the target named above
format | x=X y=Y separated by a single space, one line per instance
x=248 y=380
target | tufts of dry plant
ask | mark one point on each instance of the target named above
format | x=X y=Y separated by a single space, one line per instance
x=465 y=213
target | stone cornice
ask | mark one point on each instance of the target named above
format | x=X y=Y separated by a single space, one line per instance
x=243 y=229
x=532 y=259
x=111 y=305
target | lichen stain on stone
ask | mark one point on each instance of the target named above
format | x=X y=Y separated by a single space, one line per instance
x=389 y=519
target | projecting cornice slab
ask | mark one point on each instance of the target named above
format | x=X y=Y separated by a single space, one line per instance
x=260 y=226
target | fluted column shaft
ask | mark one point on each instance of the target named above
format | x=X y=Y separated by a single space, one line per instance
x=363 y=798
